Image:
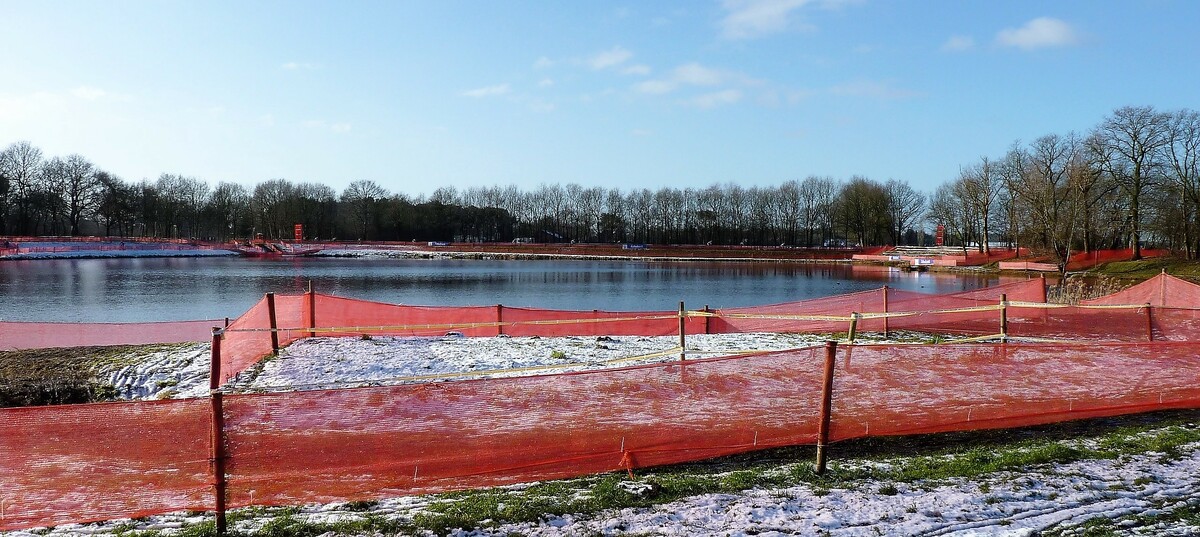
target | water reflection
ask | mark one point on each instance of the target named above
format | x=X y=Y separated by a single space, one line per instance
x=190 y=288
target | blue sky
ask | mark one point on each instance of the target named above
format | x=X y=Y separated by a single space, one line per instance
x=417 y=95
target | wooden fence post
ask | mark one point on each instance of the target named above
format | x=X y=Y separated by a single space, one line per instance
x=274 y=324
x=1003 y=318
x=853 y=327
x=682 y=331
x=214 y=366
x=218 y=460
x=885 y=311
x=1149 y=323
x=312 y=310
x=499 y=320
x=706 y=319
x=217 y=434
x=826 y=406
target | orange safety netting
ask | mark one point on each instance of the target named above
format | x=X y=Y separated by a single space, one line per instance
x=81 y=463
x=249 y=337
x=87 y=462
x=383 y=441
x=1161 y=290
x=923 y=311
x=35 y=335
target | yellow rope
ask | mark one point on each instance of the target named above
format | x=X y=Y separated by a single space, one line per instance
x=527 y=369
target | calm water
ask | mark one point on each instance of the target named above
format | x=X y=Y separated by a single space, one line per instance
x=128 y=290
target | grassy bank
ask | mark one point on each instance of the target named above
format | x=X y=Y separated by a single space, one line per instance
x=1148 y=268
x=35 y=377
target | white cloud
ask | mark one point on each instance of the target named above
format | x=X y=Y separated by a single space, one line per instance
x=543 y=63
x=638 y=69
x=609 y=58
x=747 y=19
x=694 y=73
x=958 y=43
x=543 y=107
x=655 y=87
x=489 y=91
x=321 y=124
x=545 y=83
x=640 y=133
x=35 y=105
x=873 y=89
x=266 y=120
x=88 y=93
x=718 y=98
x=298 y=66
x=1038 y=33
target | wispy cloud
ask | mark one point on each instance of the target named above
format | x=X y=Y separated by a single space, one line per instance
x=655 y=87
x=609 y=58
x=638 y=69
x=1042 y=32
x=748 y=19
x=88 y=93
x=543 y=63
x=874 y=90
x=958 y=43
x=320 y=124
x=545 y=82
x=489 y=91
x=299 y=66
x=710 y=100
x=693 y=74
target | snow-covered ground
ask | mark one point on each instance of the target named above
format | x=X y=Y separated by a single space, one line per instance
x=995 y=504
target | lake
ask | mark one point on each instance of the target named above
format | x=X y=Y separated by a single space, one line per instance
x=162 y=289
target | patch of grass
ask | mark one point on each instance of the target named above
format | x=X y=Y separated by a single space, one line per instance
x=36 y=377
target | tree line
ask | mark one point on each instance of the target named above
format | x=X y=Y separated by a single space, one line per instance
x=1131 y=180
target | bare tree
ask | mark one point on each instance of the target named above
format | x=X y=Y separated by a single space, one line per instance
x=1183 y=163
x=20 y=164
x=1130 y=141
x=905 y=206
x=980 y=186
x=81 y=190
x=361 y=203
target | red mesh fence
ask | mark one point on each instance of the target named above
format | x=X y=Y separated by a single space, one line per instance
x=1161 y=290
x=893 y=390
x=383 y=441
x=90 y=462
x=83 y=463
x=373 y=442
x=30 y=335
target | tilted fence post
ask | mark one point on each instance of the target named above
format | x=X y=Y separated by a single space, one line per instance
x=274 y=324
x=826 y=406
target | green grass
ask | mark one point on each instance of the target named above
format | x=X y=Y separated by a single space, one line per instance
x=36 y=377
x=874 y=465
